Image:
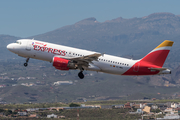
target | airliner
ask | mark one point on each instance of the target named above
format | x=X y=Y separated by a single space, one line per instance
x=69 y=58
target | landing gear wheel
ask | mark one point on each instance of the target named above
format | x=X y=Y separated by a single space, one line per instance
x=81 y=75
x=25 y=64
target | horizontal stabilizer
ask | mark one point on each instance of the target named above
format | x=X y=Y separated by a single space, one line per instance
x=159 y=69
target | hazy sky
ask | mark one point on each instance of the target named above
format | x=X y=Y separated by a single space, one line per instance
x=25 y=18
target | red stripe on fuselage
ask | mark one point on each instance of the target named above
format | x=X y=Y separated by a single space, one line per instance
x=141 y=68
x=154 y=59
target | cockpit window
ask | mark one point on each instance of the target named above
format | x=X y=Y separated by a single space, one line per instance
x=18 y=42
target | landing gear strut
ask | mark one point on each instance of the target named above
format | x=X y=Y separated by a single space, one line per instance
x=26 y=63
x=81 y=75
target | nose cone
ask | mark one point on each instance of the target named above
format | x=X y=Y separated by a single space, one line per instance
x=10 y=47
x=13 y=48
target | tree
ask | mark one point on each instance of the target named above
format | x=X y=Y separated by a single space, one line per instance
x=74 y=105
x=1 y=110
x=155 y=110
x=8 y=112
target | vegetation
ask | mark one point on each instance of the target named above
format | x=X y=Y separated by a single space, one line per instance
x=92 y=114
x=105 y=86
x=74 y=105
x=85 y=114
x=34 y=105
x=155 y=110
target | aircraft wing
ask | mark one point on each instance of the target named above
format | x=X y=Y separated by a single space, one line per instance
x=84 y=60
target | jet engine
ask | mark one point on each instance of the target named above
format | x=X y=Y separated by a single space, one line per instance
x=63 y=64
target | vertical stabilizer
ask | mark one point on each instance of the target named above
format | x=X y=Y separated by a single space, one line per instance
x=158 y=56
x=152 y=63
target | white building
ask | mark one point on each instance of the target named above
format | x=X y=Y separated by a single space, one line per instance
x=170 y=117
x=22 y=113
x=52 y=116
x=174 y=105
x=63 y=83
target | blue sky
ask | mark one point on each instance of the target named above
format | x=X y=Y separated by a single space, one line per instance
x=25 y=18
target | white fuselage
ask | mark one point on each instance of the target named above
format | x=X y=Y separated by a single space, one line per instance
x=46 y=51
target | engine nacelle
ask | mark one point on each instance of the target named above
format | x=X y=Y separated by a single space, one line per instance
x=63 y=64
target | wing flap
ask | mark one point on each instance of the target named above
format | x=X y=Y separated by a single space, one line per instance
x=87 y=58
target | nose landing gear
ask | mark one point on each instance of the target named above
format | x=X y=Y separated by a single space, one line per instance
x=26 y=63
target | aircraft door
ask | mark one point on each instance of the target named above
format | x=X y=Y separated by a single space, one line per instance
x=28 y=45
x=136 y=67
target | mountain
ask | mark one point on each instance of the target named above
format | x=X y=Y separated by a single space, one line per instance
x=126 y=36
x=132 y=38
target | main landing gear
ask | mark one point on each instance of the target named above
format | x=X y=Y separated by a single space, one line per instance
x=26 y=63
x=81 y=75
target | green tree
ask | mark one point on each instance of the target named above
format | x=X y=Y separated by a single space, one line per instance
x=74 y=105
x=8 y=112
x=1 y=110
x=155 y=110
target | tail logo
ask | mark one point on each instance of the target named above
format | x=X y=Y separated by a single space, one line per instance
x=154 y=59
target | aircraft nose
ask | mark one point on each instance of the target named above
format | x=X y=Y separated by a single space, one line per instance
x=10 y=47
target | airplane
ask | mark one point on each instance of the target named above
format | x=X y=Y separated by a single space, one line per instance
x=69 y=58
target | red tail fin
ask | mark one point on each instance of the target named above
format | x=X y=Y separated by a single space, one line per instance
x=152 y=62
x=158 y=56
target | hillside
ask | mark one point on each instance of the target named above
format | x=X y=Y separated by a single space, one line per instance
x=126 y=36
x=95 y=86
